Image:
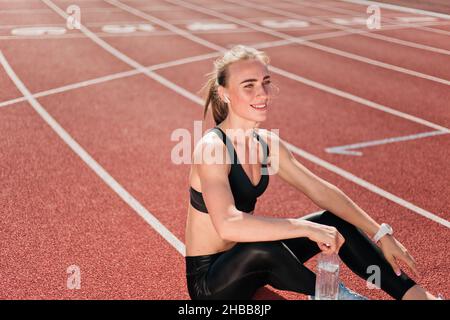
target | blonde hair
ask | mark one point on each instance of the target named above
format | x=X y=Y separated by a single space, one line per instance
x=220 y=76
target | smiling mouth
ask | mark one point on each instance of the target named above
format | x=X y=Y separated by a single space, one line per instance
x=261 y=106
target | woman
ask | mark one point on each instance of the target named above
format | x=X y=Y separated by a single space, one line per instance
x=230 y=253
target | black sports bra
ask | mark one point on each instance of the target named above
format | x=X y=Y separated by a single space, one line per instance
x=244 y=192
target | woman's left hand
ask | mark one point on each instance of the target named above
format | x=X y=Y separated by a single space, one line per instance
x=393 y=250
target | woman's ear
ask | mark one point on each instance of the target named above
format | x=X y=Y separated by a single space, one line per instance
x=223 y=95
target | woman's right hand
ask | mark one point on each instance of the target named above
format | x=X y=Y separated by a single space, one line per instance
x=327 y=238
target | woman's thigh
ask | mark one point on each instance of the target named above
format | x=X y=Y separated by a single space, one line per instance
x=239 y=272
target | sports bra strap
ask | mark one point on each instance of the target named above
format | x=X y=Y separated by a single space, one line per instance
x=232 y=151
x=227 y=143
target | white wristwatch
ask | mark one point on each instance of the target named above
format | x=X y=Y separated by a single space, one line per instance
x=384 y=230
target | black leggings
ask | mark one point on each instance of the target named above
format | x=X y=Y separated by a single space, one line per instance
x=240 y=271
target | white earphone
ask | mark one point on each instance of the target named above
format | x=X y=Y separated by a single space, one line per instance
x=227 y=100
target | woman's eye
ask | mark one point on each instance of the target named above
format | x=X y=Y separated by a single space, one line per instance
x=251 y=85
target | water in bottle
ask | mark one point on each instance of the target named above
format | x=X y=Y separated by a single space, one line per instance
x=327 y=280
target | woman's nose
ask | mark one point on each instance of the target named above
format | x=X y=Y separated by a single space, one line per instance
x=262 y=92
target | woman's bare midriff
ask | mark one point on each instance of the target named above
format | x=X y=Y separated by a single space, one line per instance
x=201 y=236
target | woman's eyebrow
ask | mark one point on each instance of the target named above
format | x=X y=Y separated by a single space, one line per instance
x=253 y=80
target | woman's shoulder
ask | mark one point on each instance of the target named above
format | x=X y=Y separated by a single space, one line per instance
x=211 y=145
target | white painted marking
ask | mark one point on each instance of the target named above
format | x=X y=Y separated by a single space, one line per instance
x=415 y=19
x=196 y=26
x=127 y=28
x=346 y=150
x=38 y=31
x=291 y=23
x=294 y=149
x=349 y=21
x=111 y=28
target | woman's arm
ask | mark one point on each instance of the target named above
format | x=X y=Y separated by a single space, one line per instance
x=321 y=192
x=234 y=225
x=331 y=198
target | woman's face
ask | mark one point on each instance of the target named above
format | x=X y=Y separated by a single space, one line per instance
x=248 y=89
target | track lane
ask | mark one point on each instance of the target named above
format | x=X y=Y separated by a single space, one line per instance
x=70 y=60
x=9 y=90
x=49 y=98
x=57 y=213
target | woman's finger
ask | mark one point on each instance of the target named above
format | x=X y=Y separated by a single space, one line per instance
x=326 y=248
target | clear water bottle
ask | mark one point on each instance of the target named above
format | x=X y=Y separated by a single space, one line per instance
x=327 y=280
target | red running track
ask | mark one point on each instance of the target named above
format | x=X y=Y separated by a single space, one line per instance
x=57 y=212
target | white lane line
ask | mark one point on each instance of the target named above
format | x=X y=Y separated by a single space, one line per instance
x=359 y=100
x=113 y=76
x=94 y=165
x=347 y=149
x=369 y=186
x=400 y=8
x=294 y=149
x=388 y=19
x=309 y=43
x=362 y=32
